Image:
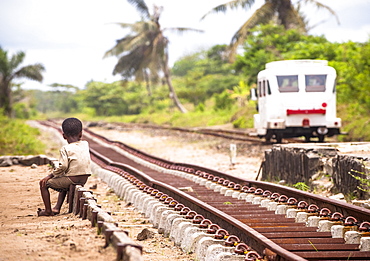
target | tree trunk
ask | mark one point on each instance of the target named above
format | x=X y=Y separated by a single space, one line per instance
x=5 y=99
x=147 y=82
x=172 y=89
x=284 y=10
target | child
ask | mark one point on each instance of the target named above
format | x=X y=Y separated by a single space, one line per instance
x=73 y=167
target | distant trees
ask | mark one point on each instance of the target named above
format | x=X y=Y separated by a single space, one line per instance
x=282 y=12
x=117 y=98
x=201 y=75
x=144 y=53
x=10 y=69
x=268 y=43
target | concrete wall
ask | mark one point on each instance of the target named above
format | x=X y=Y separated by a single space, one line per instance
x=310 y=162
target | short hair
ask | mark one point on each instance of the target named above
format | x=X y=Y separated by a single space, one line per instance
x=72 y=127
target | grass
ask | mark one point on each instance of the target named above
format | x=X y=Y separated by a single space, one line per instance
x=18 y=138
x=239 y=117
x=355 y=122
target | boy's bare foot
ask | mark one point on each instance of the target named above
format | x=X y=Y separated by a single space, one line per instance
x=42 y=212
x=55 y=211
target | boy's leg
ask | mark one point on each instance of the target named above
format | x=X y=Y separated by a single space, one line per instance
x=58 y=205
x=61 y=184
x=45 y=195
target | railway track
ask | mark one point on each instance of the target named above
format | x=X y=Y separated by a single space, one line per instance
x=238 y=135
x=253 y=214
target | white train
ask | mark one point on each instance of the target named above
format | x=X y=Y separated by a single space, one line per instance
x=296 y=98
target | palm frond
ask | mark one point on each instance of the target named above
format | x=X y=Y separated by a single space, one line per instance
x=134 y=63
x=261 y=16
x=126 y=25
x=139 y=26
x=16 y=60
x=141 y=7
x=320 y=5
x=181 y=30
x=230 y=5
x=123 y=45
x=31 y=72
x=131 y=42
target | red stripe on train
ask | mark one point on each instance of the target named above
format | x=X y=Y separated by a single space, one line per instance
x=311 y=111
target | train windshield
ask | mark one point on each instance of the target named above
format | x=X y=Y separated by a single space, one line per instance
x=288 y=83
x=315 y=83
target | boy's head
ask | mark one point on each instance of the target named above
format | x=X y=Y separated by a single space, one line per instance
x=72 y=127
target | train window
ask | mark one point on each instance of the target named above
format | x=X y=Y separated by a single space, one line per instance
x=264 y=88
x=268 y=88
x=315 y=83
x=288 y=83
x=259 y=89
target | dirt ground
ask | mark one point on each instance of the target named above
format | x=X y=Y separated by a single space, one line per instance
x=25 y=236
x=203 y=150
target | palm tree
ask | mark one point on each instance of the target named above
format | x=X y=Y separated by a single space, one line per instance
x=143 y=54
x=10 y=69
x=280 y=11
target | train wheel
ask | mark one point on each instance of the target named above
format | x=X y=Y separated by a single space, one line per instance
x=268 y=136
x=279 y=137
x=321 y=138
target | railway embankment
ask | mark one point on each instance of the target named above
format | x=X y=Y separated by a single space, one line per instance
x=341 y=168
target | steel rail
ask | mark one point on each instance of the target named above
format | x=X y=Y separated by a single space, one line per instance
x=240 y=135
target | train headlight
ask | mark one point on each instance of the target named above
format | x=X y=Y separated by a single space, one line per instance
x=276 y=124
x=322 y=130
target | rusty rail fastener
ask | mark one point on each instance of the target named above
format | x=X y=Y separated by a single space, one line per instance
x=184 y=211
x=212 y=229
x=258 y=191
x=242 y=249
x=253 y=256
x=232 y=241
x=190 y=215
x=351 y=221
x=221 y=234
x=198 y=219
x=205 y=223
x=302 y=205
x=179 y=207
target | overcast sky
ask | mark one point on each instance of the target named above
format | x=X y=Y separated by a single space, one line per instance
x=70 y=37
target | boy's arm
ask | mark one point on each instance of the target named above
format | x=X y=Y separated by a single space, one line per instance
x=63 y=163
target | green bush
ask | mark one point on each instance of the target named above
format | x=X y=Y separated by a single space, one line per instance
x=223 y=101
x=200 y=107
x=240 y=123
x=18 y=138
x=301 y=186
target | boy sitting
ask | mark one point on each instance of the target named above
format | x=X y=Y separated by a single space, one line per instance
x=73 y=167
